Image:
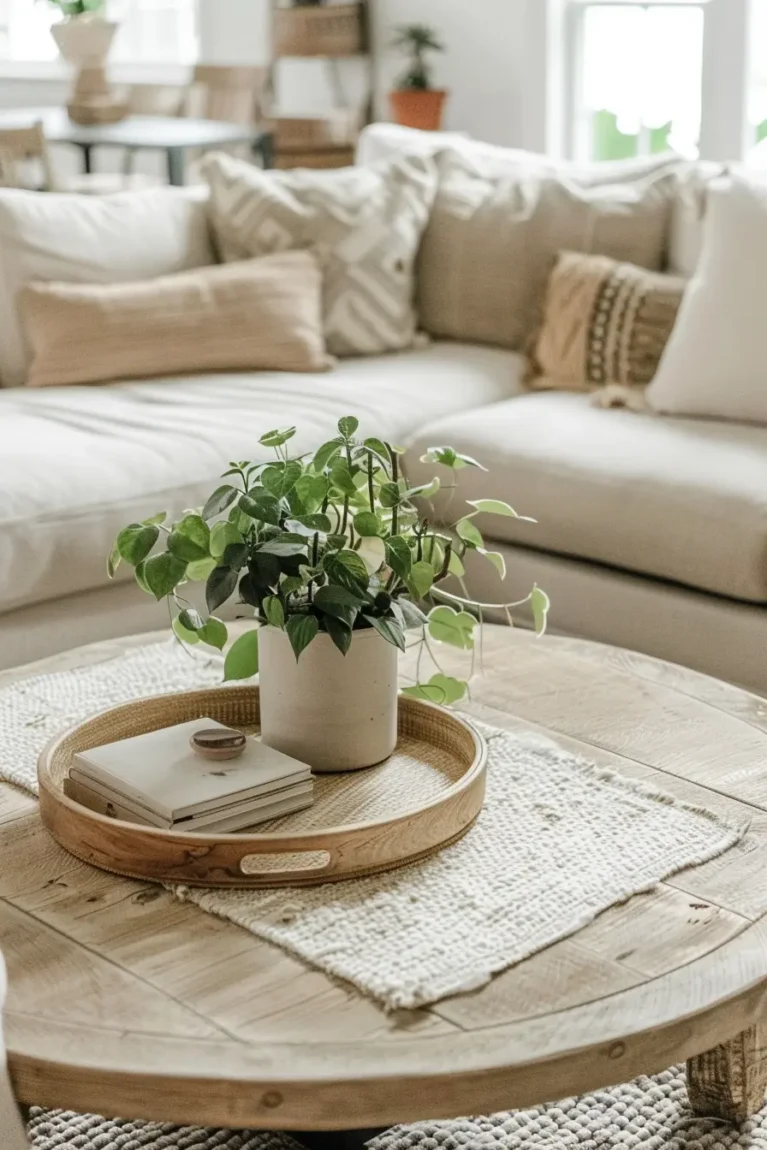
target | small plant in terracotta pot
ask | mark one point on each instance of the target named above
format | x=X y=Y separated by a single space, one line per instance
x=414 y=102
x=333 y=557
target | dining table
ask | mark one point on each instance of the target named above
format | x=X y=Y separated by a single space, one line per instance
x=175 y=136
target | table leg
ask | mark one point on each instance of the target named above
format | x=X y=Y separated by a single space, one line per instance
x=87 y=151
x=176 y=167
x=730 y=1081
x=264 y=148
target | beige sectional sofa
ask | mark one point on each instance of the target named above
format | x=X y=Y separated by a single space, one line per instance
x=651 y=533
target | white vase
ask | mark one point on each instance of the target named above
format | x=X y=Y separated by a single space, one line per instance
x=335 y=712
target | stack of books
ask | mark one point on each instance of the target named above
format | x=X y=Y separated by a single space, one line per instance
x=158 y=780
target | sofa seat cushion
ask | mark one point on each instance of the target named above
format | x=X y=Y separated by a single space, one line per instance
x=79 y=463
x=684 y=500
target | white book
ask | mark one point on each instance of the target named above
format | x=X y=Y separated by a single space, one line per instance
x=285 y=803
x=161 y=773
x=151 y=818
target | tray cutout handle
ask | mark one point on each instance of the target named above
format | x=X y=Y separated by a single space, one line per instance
x=277 y=864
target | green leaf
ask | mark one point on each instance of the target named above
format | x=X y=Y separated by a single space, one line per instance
x=221 y=498
x=135 y=542
x=399 y=556
x=348 y=425
x=141 y=579
x=279 y=481
x=348 y=569
x=378 y=446
x=412 y=614
x=199 y=571
x=389 y=629
x=367 y=524
x=264 y=570
x=496 y=559
x=190 y=637
x=540 y=604
x=425 y=491
x=420 y=579
x=214 y=633
x=190 y=539
x=455 y=566
x=454 y=689
x=325 y=453
x=309 y=524
x=449 y=457
x=434 y=553
x=372 y=551
x=283 y=550
x=447 y=625
x=497 y=507
x=191 y=620
x=221 y=536
x=155 y=520
x=222 y=583
x=289 y=584
x=425 y=693
x=163 y=573
x=235 y=556
x=337 y=601
x=113 y=562
x=277 y=437
x=312 y=491
x=340 y=633
x=274 y=612
x=390 y=495
x=263 y=508
x=337 y=542
x=242 y=658
x=469 y=533
x=301 y=629
x=342 y=478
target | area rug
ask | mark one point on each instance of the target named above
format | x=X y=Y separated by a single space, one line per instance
x=648 y=1114
x=558 y=842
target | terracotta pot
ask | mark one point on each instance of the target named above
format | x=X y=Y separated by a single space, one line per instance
x=418 y=109
x=335 y=712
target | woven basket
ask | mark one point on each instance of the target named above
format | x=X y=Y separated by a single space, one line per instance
x=337 y=30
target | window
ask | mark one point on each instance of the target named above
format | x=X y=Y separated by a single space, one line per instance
x=757 y=88
x=637 y=72
x=151 y=31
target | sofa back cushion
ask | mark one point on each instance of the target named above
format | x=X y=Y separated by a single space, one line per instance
x=495 y=232
x=91 y=239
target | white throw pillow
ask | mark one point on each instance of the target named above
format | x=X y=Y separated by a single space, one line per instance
x=364 y=225
x=91 y=239
x=715 y=362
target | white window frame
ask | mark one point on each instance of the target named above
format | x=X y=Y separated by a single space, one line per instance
x=725 y=132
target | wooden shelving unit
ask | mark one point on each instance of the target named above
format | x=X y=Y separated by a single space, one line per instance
x=333 y=33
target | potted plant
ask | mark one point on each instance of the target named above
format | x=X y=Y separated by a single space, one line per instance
x=415 y=103
x=84 y=38
x=336 y=560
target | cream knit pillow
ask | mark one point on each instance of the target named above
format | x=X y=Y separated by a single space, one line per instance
x=364 y=224
x=255 y=315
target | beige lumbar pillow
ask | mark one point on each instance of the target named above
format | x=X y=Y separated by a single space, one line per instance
x=604 y=323
x=364 y=224
x=256 y=315
x=495 y=232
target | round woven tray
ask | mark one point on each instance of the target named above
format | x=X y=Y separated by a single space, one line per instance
x=425 y=796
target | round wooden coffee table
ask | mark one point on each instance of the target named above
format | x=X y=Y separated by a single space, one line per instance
x=125 y=1002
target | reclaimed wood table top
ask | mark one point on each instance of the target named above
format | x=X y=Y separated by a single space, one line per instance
x=125 y=1001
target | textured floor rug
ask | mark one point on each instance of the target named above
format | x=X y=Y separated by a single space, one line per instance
x=447 y=924
x=648 y=1114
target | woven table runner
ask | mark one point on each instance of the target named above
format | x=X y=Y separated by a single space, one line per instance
x=559 y=841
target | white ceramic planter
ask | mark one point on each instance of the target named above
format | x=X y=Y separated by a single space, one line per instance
x=335 y=712
x=85 y=42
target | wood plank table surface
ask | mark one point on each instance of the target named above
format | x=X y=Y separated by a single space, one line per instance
x=126 y=1002
x=173 y=135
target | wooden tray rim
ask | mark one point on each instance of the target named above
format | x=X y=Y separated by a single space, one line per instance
x=304 y=841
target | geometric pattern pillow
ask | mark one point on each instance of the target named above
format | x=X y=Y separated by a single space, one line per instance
x=604 y=323
x=364 y=225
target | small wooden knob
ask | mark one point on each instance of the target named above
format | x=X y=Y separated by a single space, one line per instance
x=218 y=743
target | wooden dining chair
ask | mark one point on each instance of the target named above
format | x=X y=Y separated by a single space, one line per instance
x=20 y=147
x=12 y=1133
x=235 y=94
